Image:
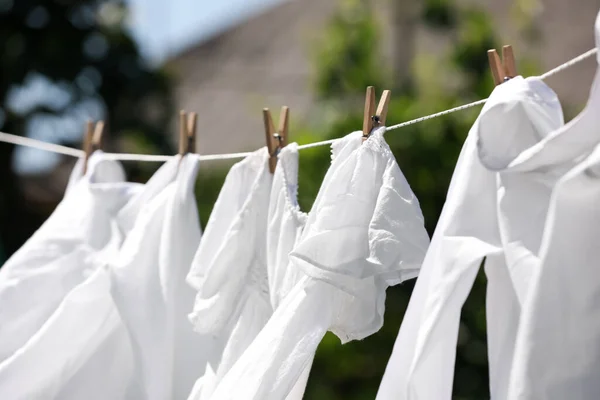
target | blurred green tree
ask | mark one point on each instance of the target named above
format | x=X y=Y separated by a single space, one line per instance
x=83 y=63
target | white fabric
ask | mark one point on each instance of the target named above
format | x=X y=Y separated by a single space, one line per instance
x=230 y=267
x=83 y=350
x=557 y=352
x=150 y=292
x=495 y=208
x=364 y=232
x=286 y=223
x=80 y=235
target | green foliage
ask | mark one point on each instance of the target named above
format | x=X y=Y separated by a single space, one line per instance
x=439 y=14
x=348 y=60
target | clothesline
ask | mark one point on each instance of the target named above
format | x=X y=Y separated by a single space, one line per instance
x=55 y=148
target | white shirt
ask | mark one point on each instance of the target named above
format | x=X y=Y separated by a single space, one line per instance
x=152 y=296
x=557 y=352
x=229 y=270
x=80 y=235
x=495 y=208
x=364 y=233
x=83 y=349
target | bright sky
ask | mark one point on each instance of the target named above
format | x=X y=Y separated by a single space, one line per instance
x=166 y=27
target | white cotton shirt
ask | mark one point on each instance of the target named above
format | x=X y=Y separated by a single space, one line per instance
x=150 y=292
x=80 y=235
x=84 y=350
x=496 y=208
x=229 y=270
x=364 y=233
x=557 y=352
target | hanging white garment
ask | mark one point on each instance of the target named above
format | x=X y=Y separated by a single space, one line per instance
x=286 y=223
x=364 y=233
x=496 y=208
x=557 y=353
x=71 y=350
x=83 y=350
x=230 y=268
x=80 y=235
x=150 y=292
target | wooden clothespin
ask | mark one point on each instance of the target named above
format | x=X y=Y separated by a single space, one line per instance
x=373 y=118
x=92 y=140
x=505 y=69
x=187 y=132
x=276 y=140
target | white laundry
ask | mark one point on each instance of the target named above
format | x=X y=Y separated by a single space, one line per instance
x=557 y=354
x=496 y=208
x=80 y=235
x=152 y=296
x=286 y=223
x=83 y=350
x=230 y=267
x=364 y=233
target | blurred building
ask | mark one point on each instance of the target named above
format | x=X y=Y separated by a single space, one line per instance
x=265 y=61
x=262 y=62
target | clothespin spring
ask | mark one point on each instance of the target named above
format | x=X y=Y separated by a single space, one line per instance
x=374 y=118
x=277 y=149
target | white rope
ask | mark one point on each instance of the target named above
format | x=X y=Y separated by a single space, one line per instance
x=438 y=114
x=135 y=157
x=38 y=144
x=23 y=141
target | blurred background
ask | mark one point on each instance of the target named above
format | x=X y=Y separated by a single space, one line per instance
x=135 y=63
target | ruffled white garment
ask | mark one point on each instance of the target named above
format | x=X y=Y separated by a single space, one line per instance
x=230 y=269
x=364 y=233
x=80 y=235
x=83 y=350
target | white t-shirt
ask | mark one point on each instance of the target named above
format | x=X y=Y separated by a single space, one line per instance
x=364 y=233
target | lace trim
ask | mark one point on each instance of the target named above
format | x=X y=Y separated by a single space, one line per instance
x=376 y=142
x=291 y=189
